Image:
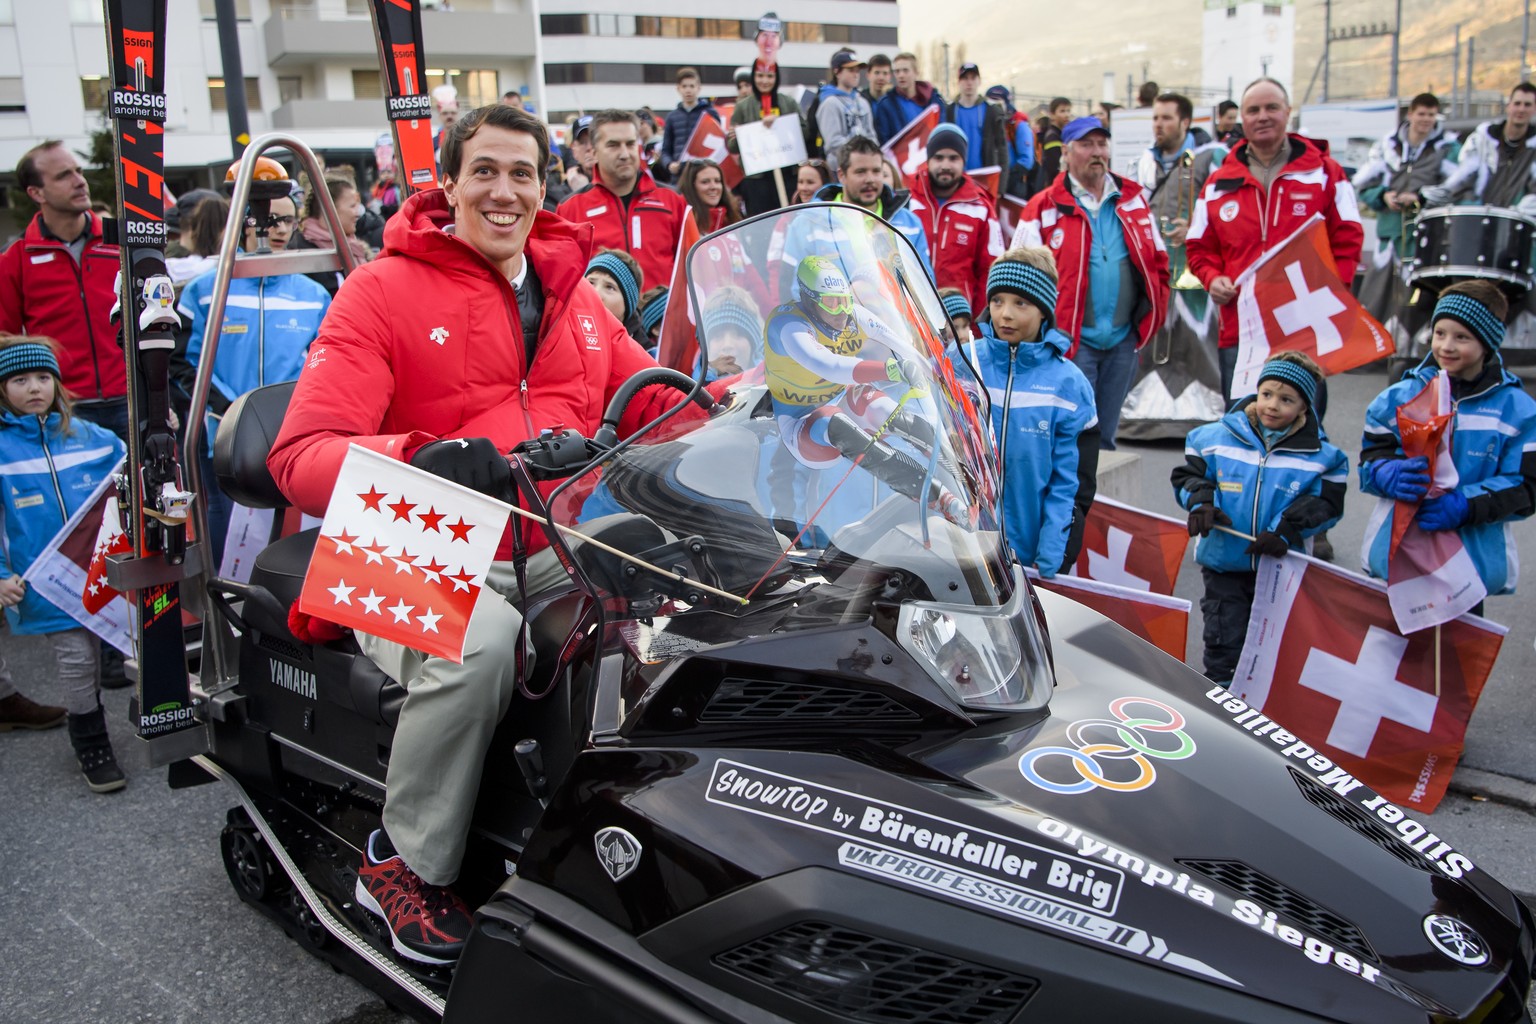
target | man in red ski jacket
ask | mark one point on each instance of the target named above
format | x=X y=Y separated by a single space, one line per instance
x=624 y=205
x=473 y=330
x=1268 y=187
x=1112 y=292
x=957 y=216
x=56 y=281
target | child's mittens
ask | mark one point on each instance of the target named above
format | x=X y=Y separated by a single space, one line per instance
x=1269 y=543
x=1401 y=479
x=1204 y=518
x=1447 y=512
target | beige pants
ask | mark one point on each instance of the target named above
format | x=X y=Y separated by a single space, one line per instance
x=450 y=714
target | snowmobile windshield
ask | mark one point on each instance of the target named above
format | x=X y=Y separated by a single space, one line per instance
x=846 y=477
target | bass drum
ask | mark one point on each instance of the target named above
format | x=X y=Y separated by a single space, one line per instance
x=1461 y=242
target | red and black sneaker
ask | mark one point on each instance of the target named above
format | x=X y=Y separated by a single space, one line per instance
x=428 y=923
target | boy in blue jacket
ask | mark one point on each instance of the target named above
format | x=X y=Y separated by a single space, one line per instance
x=1043 y=414
x=1267 y=471
x=52 y=463
x=1493 y=442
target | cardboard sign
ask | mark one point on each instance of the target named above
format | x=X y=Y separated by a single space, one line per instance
x=764 y=148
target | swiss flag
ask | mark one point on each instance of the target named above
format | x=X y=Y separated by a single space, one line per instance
x=708 y=143
x=1324 y=658
x=1132 y=548
x=1010 y=210
x=402 y=554
x=989 y=179
x=679 y=344
x=908 y=148
x=110 y=540
x=1431 y=577
x=1291 y=299
x=1158 y=619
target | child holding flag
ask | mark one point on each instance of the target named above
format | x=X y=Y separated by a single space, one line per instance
x=1266 y=471
x=52 y=463
x=1493 y=442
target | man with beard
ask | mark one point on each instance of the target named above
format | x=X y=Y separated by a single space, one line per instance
x=624 y=205
x=1112 y=294
x=958 y=217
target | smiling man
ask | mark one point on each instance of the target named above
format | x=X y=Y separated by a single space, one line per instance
x=471 y=331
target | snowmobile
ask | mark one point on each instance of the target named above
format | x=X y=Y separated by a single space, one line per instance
x=827 y=755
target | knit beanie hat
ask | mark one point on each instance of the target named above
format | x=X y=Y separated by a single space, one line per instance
x=1294 y=374
x=957 y=305
x=948 y=136
x=1025 y=280
x=1472 y=315
x=27 y=356
x=652 y=312
x=722 y=314
x=615 y=268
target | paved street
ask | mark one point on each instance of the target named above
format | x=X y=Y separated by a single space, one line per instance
x=118 y=910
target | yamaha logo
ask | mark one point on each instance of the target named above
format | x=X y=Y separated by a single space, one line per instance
x=1456 y=940
x=617 y=851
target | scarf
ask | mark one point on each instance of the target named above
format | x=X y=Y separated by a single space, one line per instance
x=318 y=234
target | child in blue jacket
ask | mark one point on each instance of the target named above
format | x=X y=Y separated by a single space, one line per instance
x=51 y=464
x=1493 y=442
x=1266 y=470
x=1043 y=414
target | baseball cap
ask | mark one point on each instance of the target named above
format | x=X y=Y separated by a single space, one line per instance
x=999 y=93
x=1079 y=127
x=969 y=69
x=185 y=205
x=843 y=58
x=582 y=126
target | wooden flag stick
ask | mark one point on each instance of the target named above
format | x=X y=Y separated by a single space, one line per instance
x=1437 y=661
x=626 y=556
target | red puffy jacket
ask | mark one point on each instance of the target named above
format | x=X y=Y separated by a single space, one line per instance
x=425 y=343
x=1235 y=222
x=1053 y=218
x=44 y=292
x=648 y=231
x=963 y=236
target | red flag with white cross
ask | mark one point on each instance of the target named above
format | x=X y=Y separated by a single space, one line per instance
x=1291 y=299
x=908 y=148
x=1324 y=658
x=402 y=554
x=1158 y=619
x=1130 y=547
x=708 y=143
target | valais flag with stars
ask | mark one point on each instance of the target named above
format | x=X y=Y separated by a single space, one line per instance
x=1291 y=299
x=71 y=571
x=1324 y=658
x=1131 y=548
x=402 y=554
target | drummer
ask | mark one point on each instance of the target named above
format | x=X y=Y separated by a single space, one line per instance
x=1419 y=155
x=1497 y=166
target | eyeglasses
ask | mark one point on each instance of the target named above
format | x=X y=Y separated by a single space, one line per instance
x=835 y=304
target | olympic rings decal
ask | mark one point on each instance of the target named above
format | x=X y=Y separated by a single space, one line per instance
x=1100 y=743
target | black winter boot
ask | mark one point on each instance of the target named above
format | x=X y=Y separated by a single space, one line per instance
x=93 y=748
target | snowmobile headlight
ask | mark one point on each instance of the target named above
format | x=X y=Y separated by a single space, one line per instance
x=989 y=659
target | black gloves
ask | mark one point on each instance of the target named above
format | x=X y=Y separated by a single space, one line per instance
x=1269 y=543
x=473 y=462
x=1204 y=518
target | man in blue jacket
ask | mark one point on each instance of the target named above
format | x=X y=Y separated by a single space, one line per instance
x=909 y=98
x=682 y=120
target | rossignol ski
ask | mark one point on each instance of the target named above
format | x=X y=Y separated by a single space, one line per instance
x=402 y=67
x=156 y=504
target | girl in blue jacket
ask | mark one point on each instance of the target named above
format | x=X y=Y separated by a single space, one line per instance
x=1493 y=442
x=1266 y=470
x=51 y=464
x=1043 y=414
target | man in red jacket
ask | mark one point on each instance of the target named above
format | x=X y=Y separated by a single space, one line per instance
x=957 y=216
x=1112 y=292
x=56 y=281
x=1268 y=187
x=470 y=332
x=624 y=205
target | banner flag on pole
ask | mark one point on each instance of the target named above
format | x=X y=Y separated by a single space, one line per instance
x=1158 y=619
x=708 y=143
x=70 y=571
x=1130 y=547
x=677 y=345
x=908 y=148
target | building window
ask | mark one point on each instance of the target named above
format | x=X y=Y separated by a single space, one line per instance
x=803 y=32
x=563 y=24
x=476 y=86
x=658 y=74
x=252 y=94
x=93 y=91
x=81 y=12
x=876 y=35
x=289 y=88
x=1272 y=10
x=12 y=99
x=1231 y=12
x=720 y=28
x=6 y=14
x=242 y=10
x=366 y=84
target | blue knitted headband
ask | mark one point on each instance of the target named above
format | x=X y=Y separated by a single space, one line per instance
x=614 y=267
x=1298 y=377
x=653 y=311
x=957 y=305
x=1473 y=315
x=27 y=356
x=730 y=314
x=1026 y=280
